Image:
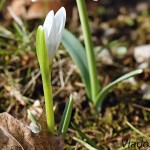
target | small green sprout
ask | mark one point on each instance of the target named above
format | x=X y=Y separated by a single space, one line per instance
x=36 y=127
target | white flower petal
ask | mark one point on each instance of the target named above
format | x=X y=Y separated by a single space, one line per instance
x=53 y=28
x=48 y=25
x=60 y=20
x=48 y=22
x=52 y=41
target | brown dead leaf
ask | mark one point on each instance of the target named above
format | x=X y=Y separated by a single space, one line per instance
x=40 y=8
x=18 y=7
x=15 y=135
x=34 y=10
x=6 y=140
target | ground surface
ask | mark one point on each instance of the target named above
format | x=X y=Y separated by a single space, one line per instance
x=117 y=27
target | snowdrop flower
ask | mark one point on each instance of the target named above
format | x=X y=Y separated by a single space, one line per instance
x=48 y=38
x=53 y=29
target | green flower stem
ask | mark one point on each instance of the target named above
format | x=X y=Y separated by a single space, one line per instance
x=89 y=48
x=46 y=77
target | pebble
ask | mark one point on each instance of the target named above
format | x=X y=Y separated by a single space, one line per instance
x=142 y=54
x=105 y=57
x=146 y=91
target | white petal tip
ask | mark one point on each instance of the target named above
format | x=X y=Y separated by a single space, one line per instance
x=48 y=19
x=63 y=10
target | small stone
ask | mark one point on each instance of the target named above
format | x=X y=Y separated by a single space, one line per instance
x=146 y=91
x=105 y=57
x=142 y=53
x=143 y=65
x=142 y=6
x=120 y=52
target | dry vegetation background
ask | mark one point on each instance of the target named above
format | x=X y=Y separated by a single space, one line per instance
x=121 y=29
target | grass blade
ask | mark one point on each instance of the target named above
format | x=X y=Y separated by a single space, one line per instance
x=101 y=96
x=89 y=147
x=66 y=116
x=137 y=131
x=86 y=139
x=78 y=54
x=2 y=4
x=36 y=128
x=5 y=33
x=125 y=147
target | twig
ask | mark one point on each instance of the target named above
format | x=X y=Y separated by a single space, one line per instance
x=141 y=107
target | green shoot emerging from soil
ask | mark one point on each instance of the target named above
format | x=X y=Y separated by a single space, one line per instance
x=47 y=41
x=85 y=60
x=46 y=77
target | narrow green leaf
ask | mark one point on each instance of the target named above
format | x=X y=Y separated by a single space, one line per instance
x=6 y=36
x=124 y=147
x=18 y=30
x=137 y=131
x=66 y=116
x=127 y=145
x=5 y=33
x=86 y=139
x=78 y=54
x=89 y=147
x=32 y=117
x=103 y=93
x=36 y=127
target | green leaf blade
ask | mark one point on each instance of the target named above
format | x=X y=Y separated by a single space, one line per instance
x=103 y=93
x=85 y=138
x=86 y=145
x=78 y=54
x=66 y=116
